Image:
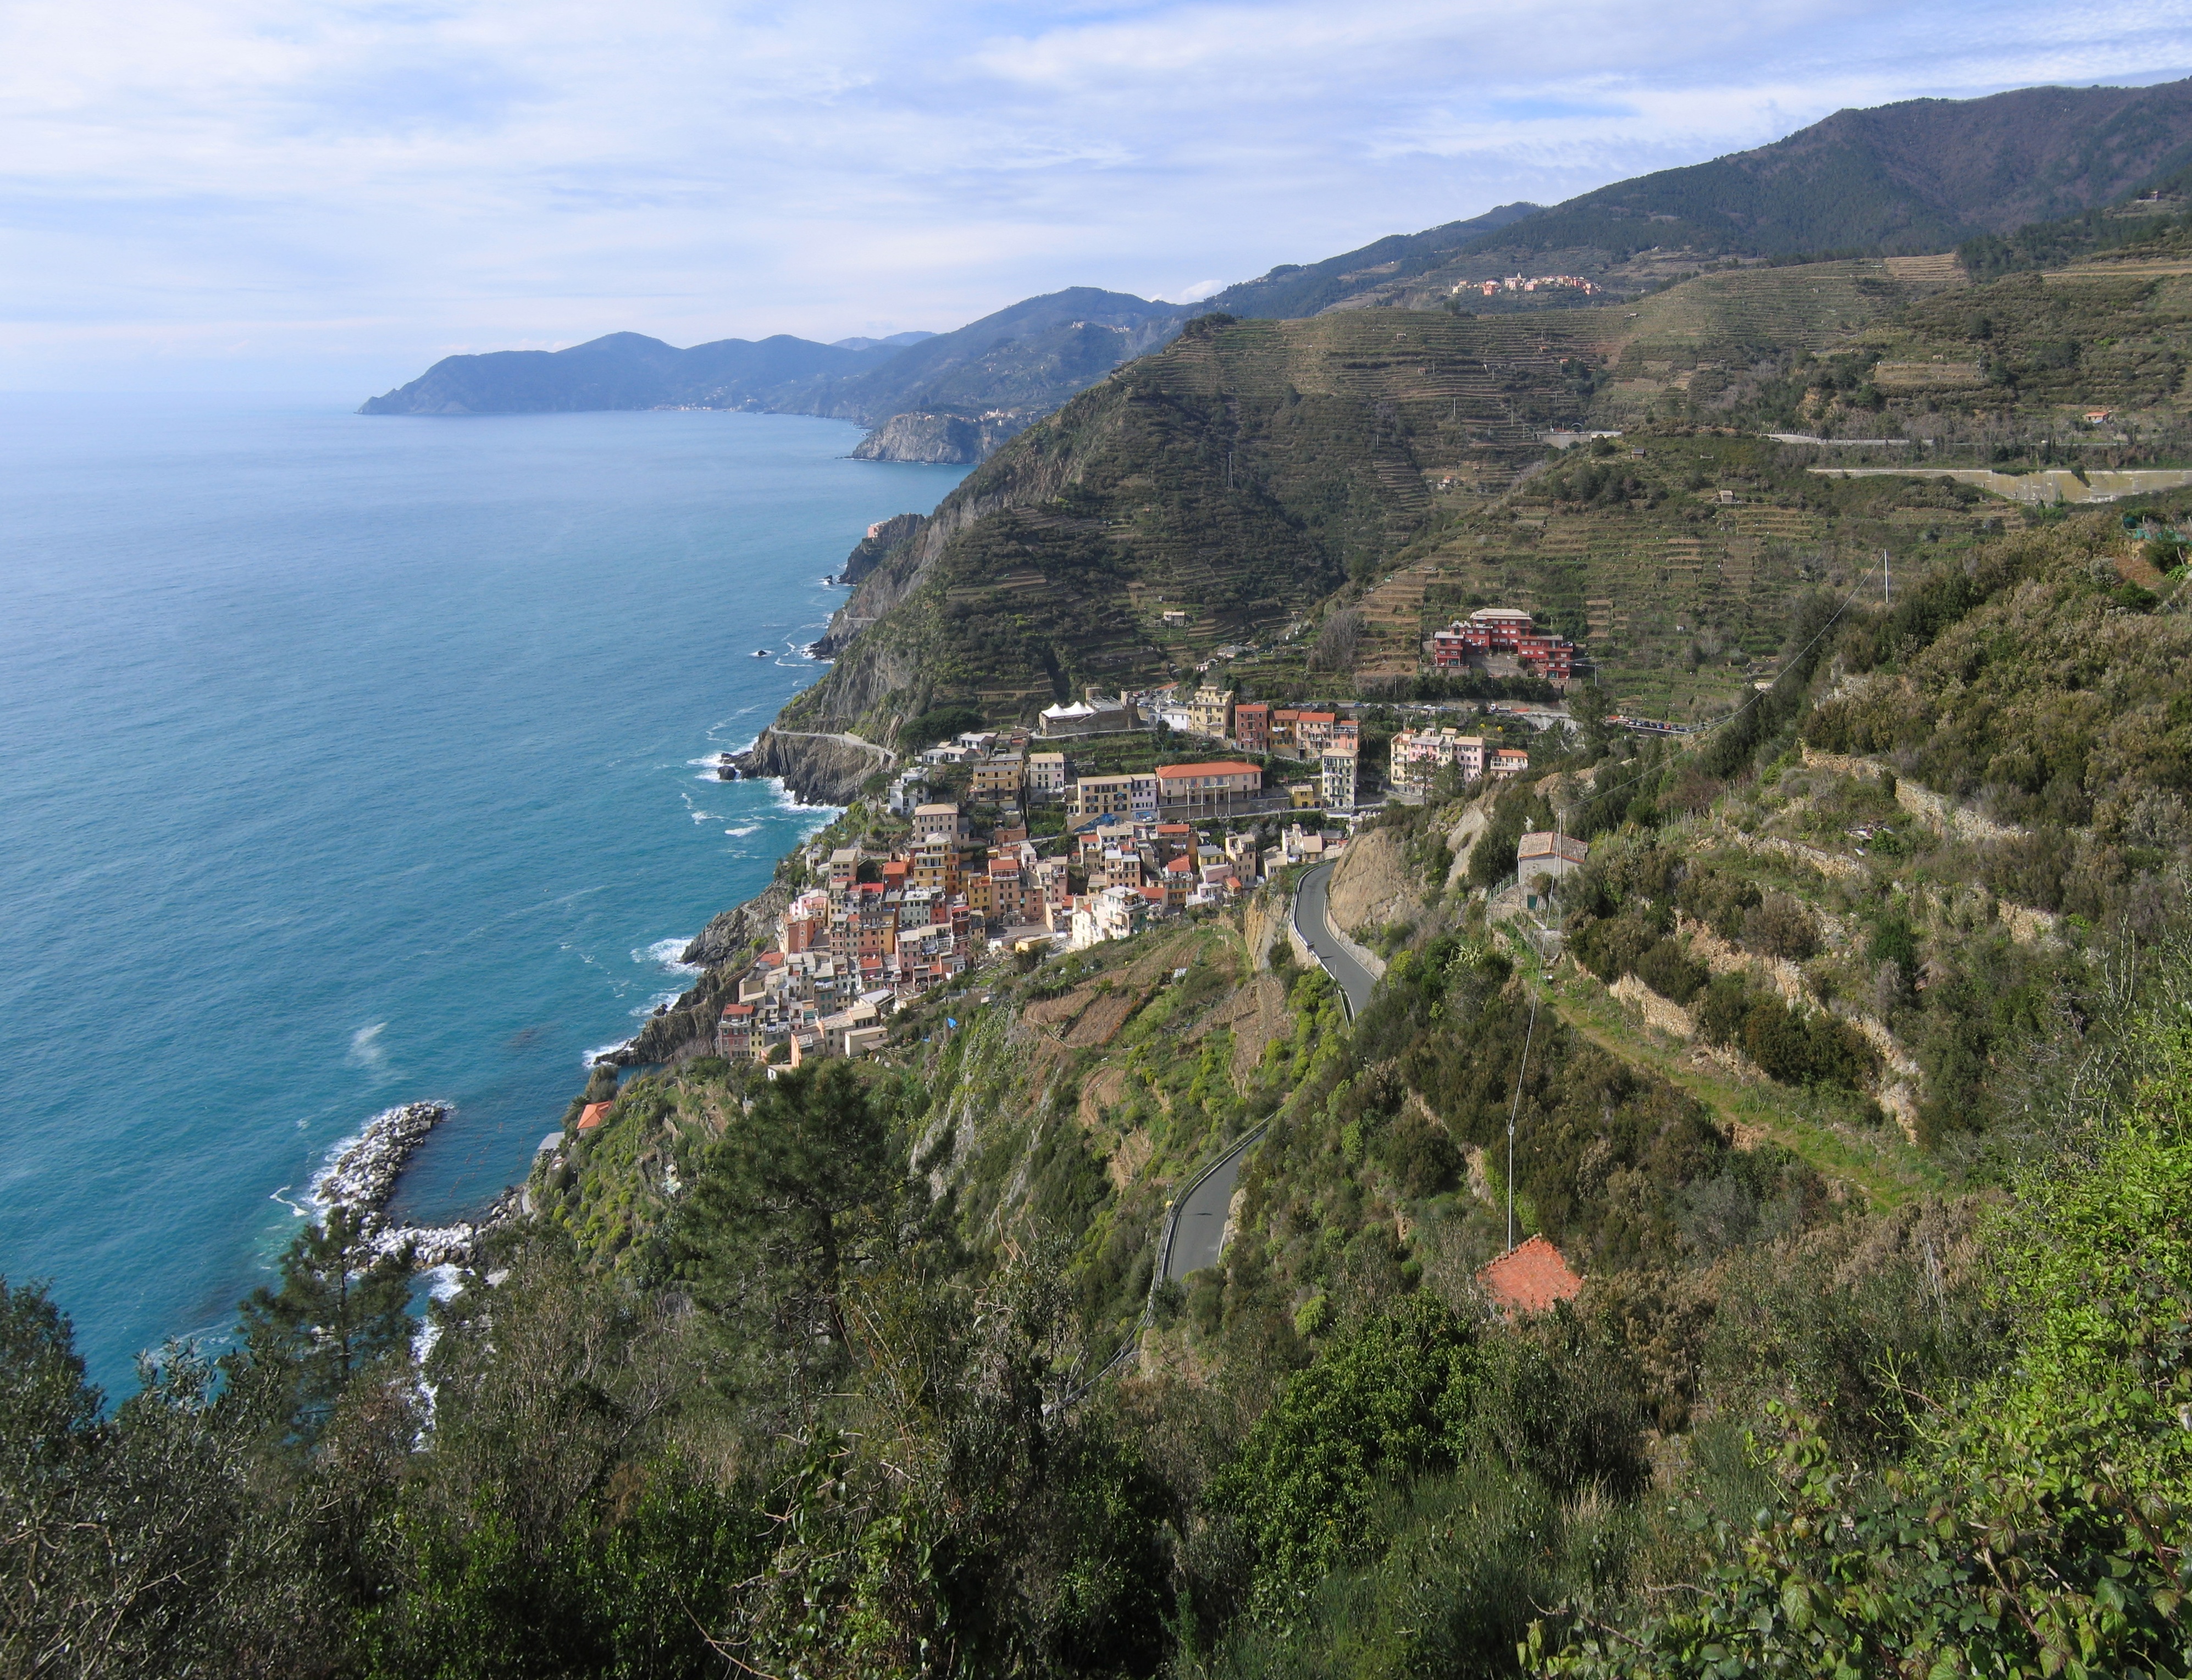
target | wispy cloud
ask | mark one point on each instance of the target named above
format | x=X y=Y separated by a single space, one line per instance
x=335 y=193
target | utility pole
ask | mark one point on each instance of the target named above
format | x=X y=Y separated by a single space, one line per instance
x=1515 y=1113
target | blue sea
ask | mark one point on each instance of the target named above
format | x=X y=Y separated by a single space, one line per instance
x=353 y=761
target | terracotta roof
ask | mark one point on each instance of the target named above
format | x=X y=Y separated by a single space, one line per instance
x=1529 y=1278
x=592 y=1115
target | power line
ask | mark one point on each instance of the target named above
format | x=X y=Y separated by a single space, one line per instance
x=1759 y=694
x=1515 y=1114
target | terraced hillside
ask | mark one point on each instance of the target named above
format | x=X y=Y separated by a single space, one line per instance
x=1675 y=558
x=1238 y=477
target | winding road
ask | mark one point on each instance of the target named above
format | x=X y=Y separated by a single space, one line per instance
x=1312 y=914
x=1198 y=1230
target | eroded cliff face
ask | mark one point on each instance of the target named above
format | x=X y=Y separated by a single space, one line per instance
x=940 y=439
x=818 y=768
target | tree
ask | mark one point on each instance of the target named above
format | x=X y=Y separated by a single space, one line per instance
x=343 y=1306
x=797 y=1194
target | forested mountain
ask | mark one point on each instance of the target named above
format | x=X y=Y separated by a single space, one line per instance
x=1918 y=176
x=1912 y=177
x=624 y=370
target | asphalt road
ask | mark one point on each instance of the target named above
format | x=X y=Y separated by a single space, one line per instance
x=1196 y=1235
x=1312 y=921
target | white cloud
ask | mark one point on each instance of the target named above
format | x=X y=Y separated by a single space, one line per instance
x=344 y=190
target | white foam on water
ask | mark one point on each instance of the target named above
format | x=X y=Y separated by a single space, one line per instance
x=706 y=817
x=788 y=801
x=297 y=1208
x=740 y=833
x=596 y=1053
x=366 y=1048
x=647 y=1009
x=669 y=953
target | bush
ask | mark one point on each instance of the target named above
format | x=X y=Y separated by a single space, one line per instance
x=1780 y=926
x=940 y=723
x=1672 y=972
x=1727 y=1006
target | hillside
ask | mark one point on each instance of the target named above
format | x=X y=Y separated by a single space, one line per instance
x=1240 y=475
x=1921 y=176
x=1914 y=177
x=1258 y=474
x=1850 y=1074
x=624 y=370
x=953 y=396
x=1294 y=289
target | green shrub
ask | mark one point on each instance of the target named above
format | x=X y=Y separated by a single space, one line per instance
x=1672 y=972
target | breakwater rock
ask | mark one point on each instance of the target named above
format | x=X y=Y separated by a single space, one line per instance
x=365 y=1175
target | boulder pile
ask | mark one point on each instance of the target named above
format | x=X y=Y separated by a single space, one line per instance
x=364 y=1176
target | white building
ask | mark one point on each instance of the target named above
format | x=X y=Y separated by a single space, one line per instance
x=1116 y=913
x=1339 y=762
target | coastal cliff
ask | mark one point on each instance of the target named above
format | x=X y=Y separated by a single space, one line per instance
x=818 y=768
x=940 y=439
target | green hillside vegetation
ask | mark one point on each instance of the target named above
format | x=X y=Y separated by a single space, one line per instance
x=1243 y=473
x=1909 y=178
x=1267 y=476
x=1858 y=1092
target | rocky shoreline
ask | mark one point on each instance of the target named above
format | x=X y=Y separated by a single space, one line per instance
x=364 y=1176
x=816 y=767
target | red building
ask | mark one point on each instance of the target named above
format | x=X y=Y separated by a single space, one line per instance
x=1252 y=727
x=1502 y=629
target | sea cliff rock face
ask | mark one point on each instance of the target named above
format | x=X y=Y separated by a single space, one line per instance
x=687 y=1027
x=730 y=933
x=940 y=440
x=820 y=768
x=869 y=553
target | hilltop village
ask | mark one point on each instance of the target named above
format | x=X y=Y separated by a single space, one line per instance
x=1003 y=841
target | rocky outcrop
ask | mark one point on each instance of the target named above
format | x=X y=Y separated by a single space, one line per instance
x=940 y=439
x=883 y=536
x=687 y=1027
x=819 y=767
x=732 y=933
x=1372 y=887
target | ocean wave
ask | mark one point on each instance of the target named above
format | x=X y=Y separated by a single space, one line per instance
x=788 y=801
x=669 y=953
x=596 y=1053
x=706 y=817
x=366 y=1048
x=646 y=1010
x=740 y=833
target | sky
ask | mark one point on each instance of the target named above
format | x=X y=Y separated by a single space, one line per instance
x=285 y=195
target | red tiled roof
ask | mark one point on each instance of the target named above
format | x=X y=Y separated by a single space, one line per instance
x=732 y=1010
x=592 y=1115
x=1530 y=1278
